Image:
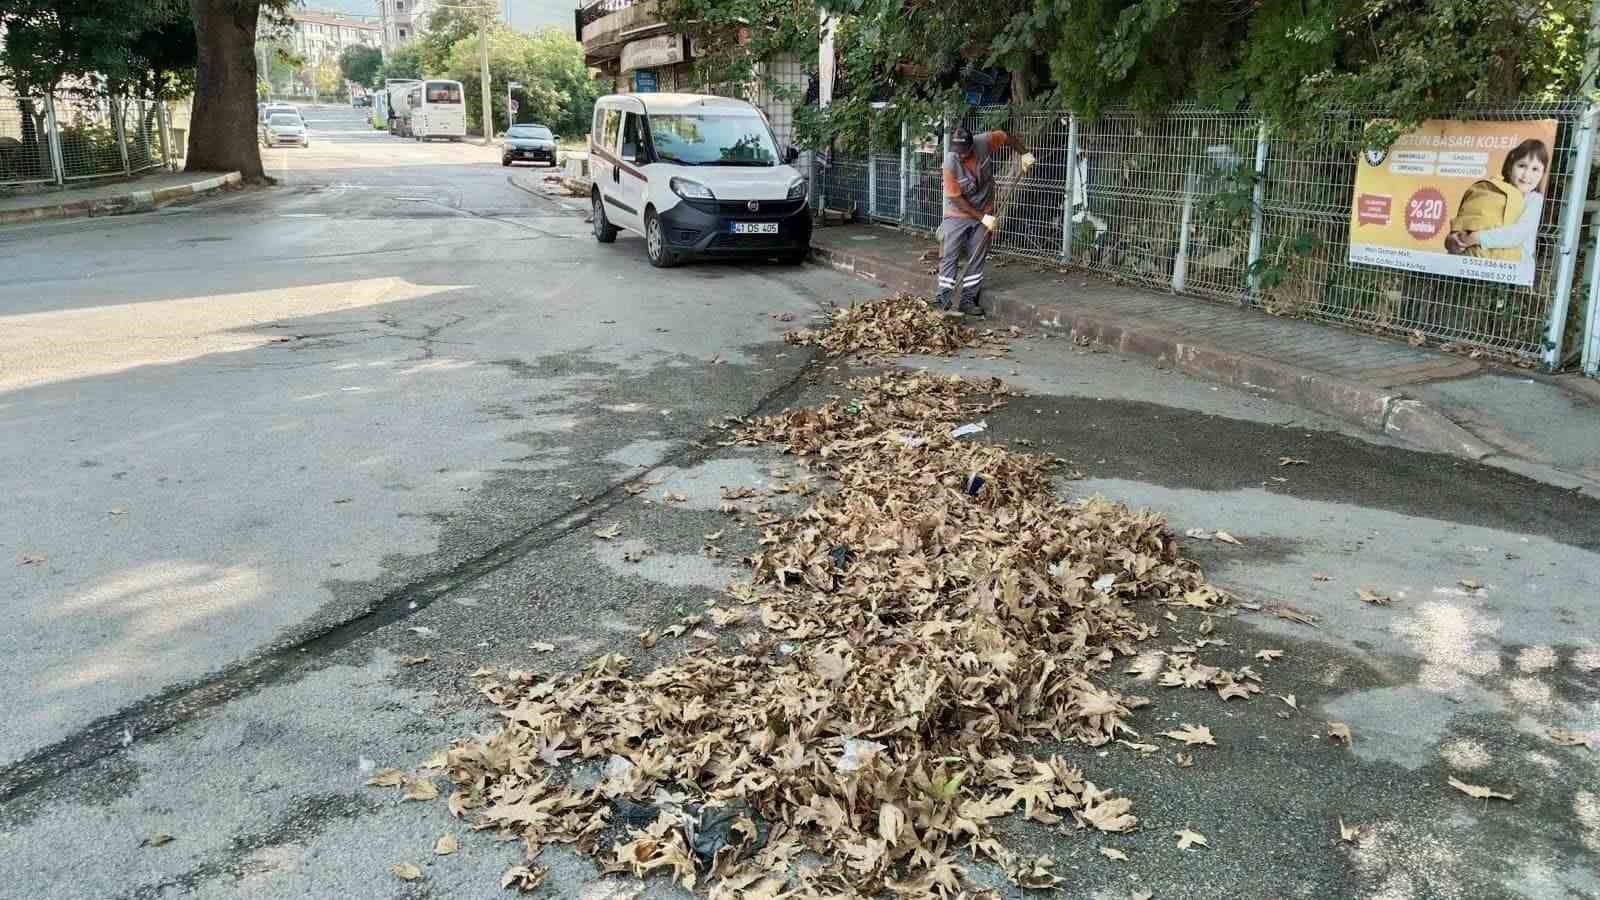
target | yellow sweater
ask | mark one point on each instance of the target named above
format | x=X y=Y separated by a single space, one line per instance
x=1490 y=203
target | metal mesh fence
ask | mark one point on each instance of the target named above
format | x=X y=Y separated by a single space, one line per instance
x=25 y=156
x=141 y=124
x=90 y=143
x=1178 y=203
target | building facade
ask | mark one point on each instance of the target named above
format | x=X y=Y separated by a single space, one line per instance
x=630 y=45
x=401 y=21
x=320 y=37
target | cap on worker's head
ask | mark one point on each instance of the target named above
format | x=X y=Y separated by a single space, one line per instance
x=960 y=139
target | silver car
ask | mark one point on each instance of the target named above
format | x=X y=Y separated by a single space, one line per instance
x=284 y=128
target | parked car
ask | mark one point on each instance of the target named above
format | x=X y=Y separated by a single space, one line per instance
x=696 y=176
x=284 y=128
x=533 y=143
x=264 y=110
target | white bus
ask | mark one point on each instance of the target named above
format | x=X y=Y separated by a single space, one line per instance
x=437 y=110
x=395 y=91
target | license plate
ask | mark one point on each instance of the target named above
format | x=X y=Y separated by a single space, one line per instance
x=755 y=227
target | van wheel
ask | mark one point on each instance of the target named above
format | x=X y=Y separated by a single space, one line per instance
x=655 y=242
x=604 y=231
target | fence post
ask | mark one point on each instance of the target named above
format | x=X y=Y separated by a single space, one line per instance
x=122 y=133
x=905 y=167
x=1258 y=199
x=53 y=128
x=163 y=133
x=1071 y=190
x=1591 y=328
x=1575 y=196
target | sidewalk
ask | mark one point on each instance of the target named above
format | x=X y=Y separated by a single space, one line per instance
x=109 y=198
x=1534 y=424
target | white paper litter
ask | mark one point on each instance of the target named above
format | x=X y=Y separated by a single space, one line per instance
x=857 y=753
x=970 y=428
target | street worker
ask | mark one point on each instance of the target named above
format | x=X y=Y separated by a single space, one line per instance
x=969 y=215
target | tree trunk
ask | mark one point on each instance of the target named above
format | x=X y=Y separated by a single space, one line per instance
x=1019 y=85
x=222 y=127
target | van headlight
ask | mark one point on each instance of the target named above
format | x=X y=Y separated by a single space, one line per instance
x=690 y=190
x=797 y=188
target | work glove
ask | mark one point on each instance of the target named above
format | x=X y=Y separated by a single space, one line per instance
x=1028 y=161
x=989 y=222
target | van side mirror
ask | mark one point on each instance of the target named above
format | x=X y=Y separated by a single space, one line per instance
x=791 y=154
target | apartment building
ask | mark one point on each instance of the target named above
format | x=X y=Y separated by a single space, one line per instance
x=402 y=20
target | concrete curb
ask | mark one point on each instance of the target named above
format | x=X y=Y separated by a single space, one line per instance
x=1369 y=406
x=132 y=201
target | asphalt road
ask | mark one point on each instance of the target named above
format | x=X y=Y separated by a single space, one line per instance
x=263 y=446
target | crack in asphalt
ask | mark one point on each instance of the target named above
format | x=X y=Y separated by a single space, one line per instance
x=184 y=702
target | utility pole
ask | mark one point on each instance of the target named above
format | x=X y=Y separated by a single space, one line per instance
x=483 y=76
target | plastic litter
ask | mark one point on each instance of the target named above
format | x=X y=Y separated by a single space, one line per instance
x=857 y=753
x=975 y=483
x=711 y=828
x=970 y=428
x=841 y=557
x=1104 y=582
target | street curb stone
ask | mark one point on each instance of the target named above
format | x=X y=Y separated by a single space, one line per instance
x=132 y=201
x=1368 y=406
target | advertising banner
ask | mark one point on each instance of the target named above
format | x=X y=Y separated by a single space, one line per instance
x=1455 y=198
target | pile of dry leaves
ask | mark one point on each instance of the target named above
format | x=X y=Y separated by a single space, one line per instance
x=919 y=628
x=893 y=325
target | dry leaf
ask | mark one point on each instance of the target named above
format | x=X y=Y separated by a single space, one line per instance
x=1284 y=611
x=1192 y=735
x=635 y=488
x=1570 y=739
x=481 y=671
x=406 y=871
x=1373 y=597
x=1113 y=853
x=1320 y=578
x=1187 y=839
x=1340 y=732
x=420 y=789
x=1471 y=584
x=157 y=840
x=1349 y=834
x=1268 y=655
x=541 y=646
x=415 y=660
x=673 y=497
x=1183 y=760
x=713 y=536
x=387 y=778
x=1479 y=792
x=32 y=559
x=1227 y=538
x=445 y=845
x=117 y=511
x=1288 y=700
x=1291 y=461
x=609 y=532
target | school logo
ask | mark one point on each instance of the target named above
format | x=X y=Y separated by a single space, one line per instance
x=1375 y=156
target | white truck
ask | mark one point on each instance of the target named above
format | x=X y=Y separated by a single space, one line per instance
x=398 y=91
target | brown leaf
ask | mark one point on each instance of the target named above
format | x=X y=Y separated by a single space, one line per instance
x=609 y=532
x=673 y=497
x=157 y=840
x=415 y=660
x=541 y=646
x=481 y=672
x=1479 y=792
x=1570 y=739
x=387 y=778
x=1113 y=853
x=713 y=536
x=1187 y=839
x=32 y=559
x=1471 y=584
x=1192 y=735
x=1183 y=760
x=1291 y=461
x=1373 y=597
x=1268 y=655
x=1288 y=700
x=1285 y=611
x=406 y=871
x=1349 y=834
x=420 y=789
x=1227 y=538
x=445 y=845
x=1320 y=578
x=1340 y=732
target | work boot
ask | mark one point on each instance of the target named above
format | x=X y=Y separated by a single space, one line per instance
x=941 y=302
x=971 y=308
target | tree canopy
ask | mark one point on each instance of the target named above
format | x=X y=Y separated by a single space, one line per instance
x=132 y=46
x=448 y=25
x=557 y=91
x=360 y=64
x=404 y=62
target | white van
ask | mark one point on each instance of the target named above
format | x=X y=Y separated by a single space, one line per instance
x=696 y=176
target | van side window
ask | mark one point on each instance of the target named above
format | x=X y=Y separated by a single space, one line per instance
x=633 y=137
x=612 y=126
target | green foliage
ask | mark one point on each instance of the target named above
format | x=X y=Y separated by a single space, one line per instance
x=448 y=25
x=732 y=37
x=404 y=62
x=1296 y=61
x=360 y=64
x=558 y=90
x=133 y=46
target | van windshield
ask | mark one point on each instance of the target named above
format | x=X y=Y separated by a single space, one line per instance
x=701 y=139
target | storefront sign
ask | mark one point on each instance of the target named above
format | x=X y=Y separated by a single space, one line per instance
x=644 y=81
x=1455 y=198
x=653 y=52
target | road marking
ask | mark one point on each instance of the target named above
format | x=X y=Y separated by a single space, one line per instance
x=302 y=215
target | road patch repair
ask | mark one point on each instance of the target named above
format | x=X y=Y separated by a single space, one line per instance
x=922 y=660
